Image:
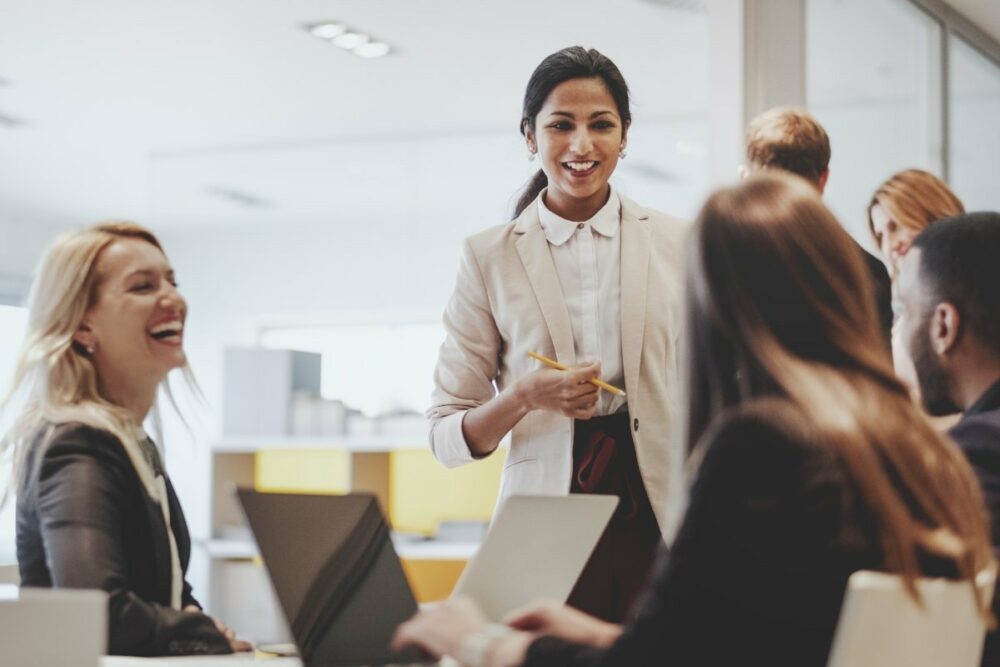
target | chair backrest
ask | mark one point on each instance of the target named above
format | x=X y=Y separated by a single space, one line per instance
x=882 y=626
x=43 y=627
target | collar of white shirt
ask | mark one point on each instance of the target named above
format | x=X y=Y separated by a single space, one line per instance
x=559 y=230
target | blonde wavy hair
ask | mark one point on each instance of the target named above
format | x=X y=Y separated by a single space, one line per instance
x=914 y=198
x=54 y=373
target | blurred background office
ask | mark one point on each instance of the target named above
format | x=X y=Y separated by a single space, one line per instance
x=311 y=168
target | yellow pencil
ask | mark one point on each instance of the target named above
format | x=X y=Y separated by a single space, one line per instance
x=563 y=367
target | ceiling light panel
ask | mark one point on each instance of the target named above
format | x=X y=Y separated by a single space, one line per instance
x=327 y=30
x=359 y=43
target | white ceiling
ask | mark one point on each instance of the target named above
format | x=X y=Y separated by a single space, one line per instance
x=136 y=108
x=143 y=110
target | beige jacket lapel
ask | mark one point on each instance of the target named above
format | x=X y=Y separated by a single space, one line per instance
x=533 y=249
x=636 y=246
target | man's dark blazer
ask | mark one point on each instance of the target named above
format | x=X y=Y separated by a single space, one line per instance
x=978 y=435
x=882 y=291
x=84 y=520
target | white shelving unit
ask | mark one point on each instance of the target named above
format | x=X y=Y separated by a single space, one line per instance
x=351 y=443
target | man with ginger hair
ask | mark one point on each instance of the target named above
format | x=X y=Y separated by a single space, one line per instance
x=790 y=139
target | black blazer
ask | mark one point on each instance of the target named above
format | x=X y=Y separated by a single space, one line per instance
x=882 y=291
x=978 y=435
x=84 y=520
x=757 y=573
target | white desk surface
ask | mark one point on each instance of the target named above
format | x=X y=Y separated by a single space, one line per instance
x=218 y=661
x=201 y=661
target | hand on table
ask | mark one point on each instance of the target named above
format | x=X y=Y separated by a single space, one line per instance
x=558 y=620
x=439 y=631
x=238 y=645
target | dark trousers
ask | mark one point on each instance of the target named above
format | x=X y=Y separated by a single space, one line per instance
x=604 y=462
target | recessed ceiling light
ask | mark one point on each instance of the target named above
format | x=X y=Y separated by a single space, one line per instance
x=327 y=30
x=372 y=50
x=350 y=40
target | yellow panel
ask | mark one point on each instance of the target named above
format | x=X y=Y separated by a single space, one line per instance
x=432 y=580
x=302 y=471
x=423 y=493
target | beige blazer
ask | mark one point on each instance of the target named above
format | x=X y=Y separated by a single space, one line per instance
x=508 y=301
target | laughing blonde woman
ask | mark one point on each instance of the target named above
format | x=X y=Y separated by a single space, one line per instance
x=95 y=508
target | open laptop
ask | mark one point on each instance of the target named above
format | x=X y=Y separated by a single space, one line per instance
x=45 y=627
x=343 y=590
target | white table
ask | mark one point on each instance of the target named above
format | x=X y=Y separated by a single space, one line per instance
x=201 y=661
x=218 y=661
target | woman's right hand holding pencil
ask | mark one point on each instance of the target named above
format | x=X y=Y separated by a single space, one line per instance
x=568 y=392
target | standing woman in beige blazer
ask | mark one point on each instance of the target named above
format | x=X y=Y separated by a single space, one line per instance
x=589 y=278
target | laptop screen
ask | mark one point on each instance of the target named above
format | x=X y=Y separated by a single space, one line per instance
x=335 y=572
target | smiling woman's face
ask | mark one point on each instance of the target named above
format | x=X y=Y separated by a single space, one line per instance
x=578 y=135
x=136 y=323
x=893 y=238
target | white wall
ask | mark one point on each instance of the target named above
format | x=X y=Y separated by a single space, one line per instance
x=23 y=235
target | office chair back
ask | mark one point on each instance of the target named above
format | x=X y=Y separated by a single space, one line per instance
x=881 y=626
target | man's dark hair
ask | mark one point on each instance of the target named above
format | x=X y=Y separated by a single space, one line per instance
x=960 y=265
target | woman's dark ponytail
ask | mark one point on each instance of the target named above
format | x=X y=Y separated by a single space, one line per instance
x=574 y=62
x=531 y=190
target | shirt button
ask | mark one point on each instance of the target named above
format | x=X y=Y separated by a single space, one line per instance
x=580 y=226
x=635 y=424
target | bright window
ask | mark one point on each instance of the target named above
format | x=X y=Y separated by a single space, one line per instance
x=377 y=368
x=868 y=83
x=974 y=138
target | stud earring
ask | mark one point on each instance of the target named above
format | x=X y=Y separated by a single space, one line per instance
x=622 y=153
x=90 y=349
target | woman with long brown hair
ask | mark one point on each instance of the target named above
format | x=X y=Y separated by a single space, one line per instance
x=810 y=462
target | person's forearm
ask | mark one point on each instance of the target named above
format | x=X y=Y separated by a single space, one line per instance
x=483 y=427
x=509 y=651
x=608 y=635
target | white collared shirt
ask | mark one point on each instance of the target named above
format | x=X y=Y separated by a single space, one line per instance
x=587 y=256
x=157 y=490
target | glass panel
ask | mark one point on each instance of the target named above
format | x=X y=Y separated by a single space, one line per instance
x=974 y=148
x=869 y=82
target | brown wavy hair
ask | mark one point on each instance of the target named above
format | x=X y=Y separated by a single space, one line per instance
x=914 y=198
x=779 y=307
